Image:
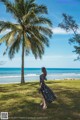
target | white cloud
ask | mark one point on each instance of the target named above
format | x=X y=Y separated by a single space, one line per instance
x=57 y=30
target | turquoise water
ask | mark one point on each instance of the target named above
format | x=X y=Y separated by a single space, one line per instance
x=11 y=75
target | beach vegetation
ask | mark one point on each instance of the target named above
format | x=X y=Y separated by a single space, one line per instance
x=69 y=24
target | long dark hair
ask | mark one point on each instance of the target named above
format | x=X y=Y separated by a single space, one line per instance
x=44 y=71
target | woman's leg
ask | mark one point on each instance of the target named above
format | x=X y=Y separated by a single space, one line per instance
x=44 y=104
x=42 y=101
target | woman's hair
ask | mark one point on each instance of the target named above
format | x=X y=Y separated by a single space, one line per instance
x=44 y=70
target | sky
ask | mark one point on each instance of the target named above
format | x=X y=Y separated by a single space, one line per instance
x=59 y=54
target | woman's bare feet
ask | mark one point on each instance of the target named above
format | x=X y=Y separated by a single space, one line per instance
x=41 y=104
x=44 y=107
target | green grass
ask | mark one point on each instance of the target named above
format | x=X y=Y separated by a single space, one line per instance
x=23 y=101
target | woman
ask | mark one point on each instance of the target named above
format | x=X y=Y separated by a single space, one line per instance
x=47 y=94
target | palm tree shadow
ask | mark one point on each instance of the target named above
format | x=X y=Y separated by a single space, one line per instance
x=68 y=103
x=3 y=89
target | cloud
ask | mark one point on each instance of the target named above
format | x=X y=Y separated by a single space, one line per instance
x=57 y=30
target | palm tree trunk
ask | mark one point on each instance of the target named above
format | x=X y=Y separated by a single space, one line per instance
x=22 y=69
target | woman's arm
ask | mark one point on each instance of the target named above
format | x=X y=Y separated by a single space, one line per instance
x=41 y=79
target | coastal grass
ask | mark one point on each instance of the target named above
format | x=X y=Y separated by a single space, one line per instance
x=23 y=101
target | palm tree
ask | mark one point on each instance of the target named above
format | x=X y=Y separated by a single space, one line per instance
x=31 y=31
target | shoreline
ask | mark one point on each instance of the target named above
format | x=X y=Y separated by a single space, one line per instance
x=66 y=79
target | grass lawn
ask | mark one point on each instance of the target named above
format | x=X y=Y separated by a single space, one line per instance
x=22 y=101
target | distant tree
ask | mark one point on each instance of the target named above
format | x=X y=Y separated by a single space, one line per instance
x=69 y=24
x=31 y=32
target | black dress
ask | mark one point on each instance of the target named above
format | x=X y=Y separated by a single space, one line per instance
x=47 y=93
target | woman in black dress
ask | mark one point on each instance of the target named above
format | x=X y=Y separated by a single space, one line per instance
x=47 y=93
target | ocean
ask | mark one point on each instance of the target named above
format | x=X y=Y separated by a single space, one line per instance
x=13 y=75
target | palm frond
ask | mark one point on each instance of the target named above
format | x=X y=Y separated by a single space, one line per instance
x=37 y=47
x=9 y=25
x=6 y=37
x=11 y=38
x=11 y=8
x=40 y=21
x=41 y=9
x=29 y=5
x=28 y=16
x=46 y=31
x=15 y=46
x=41 y=37
x=27 y=42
